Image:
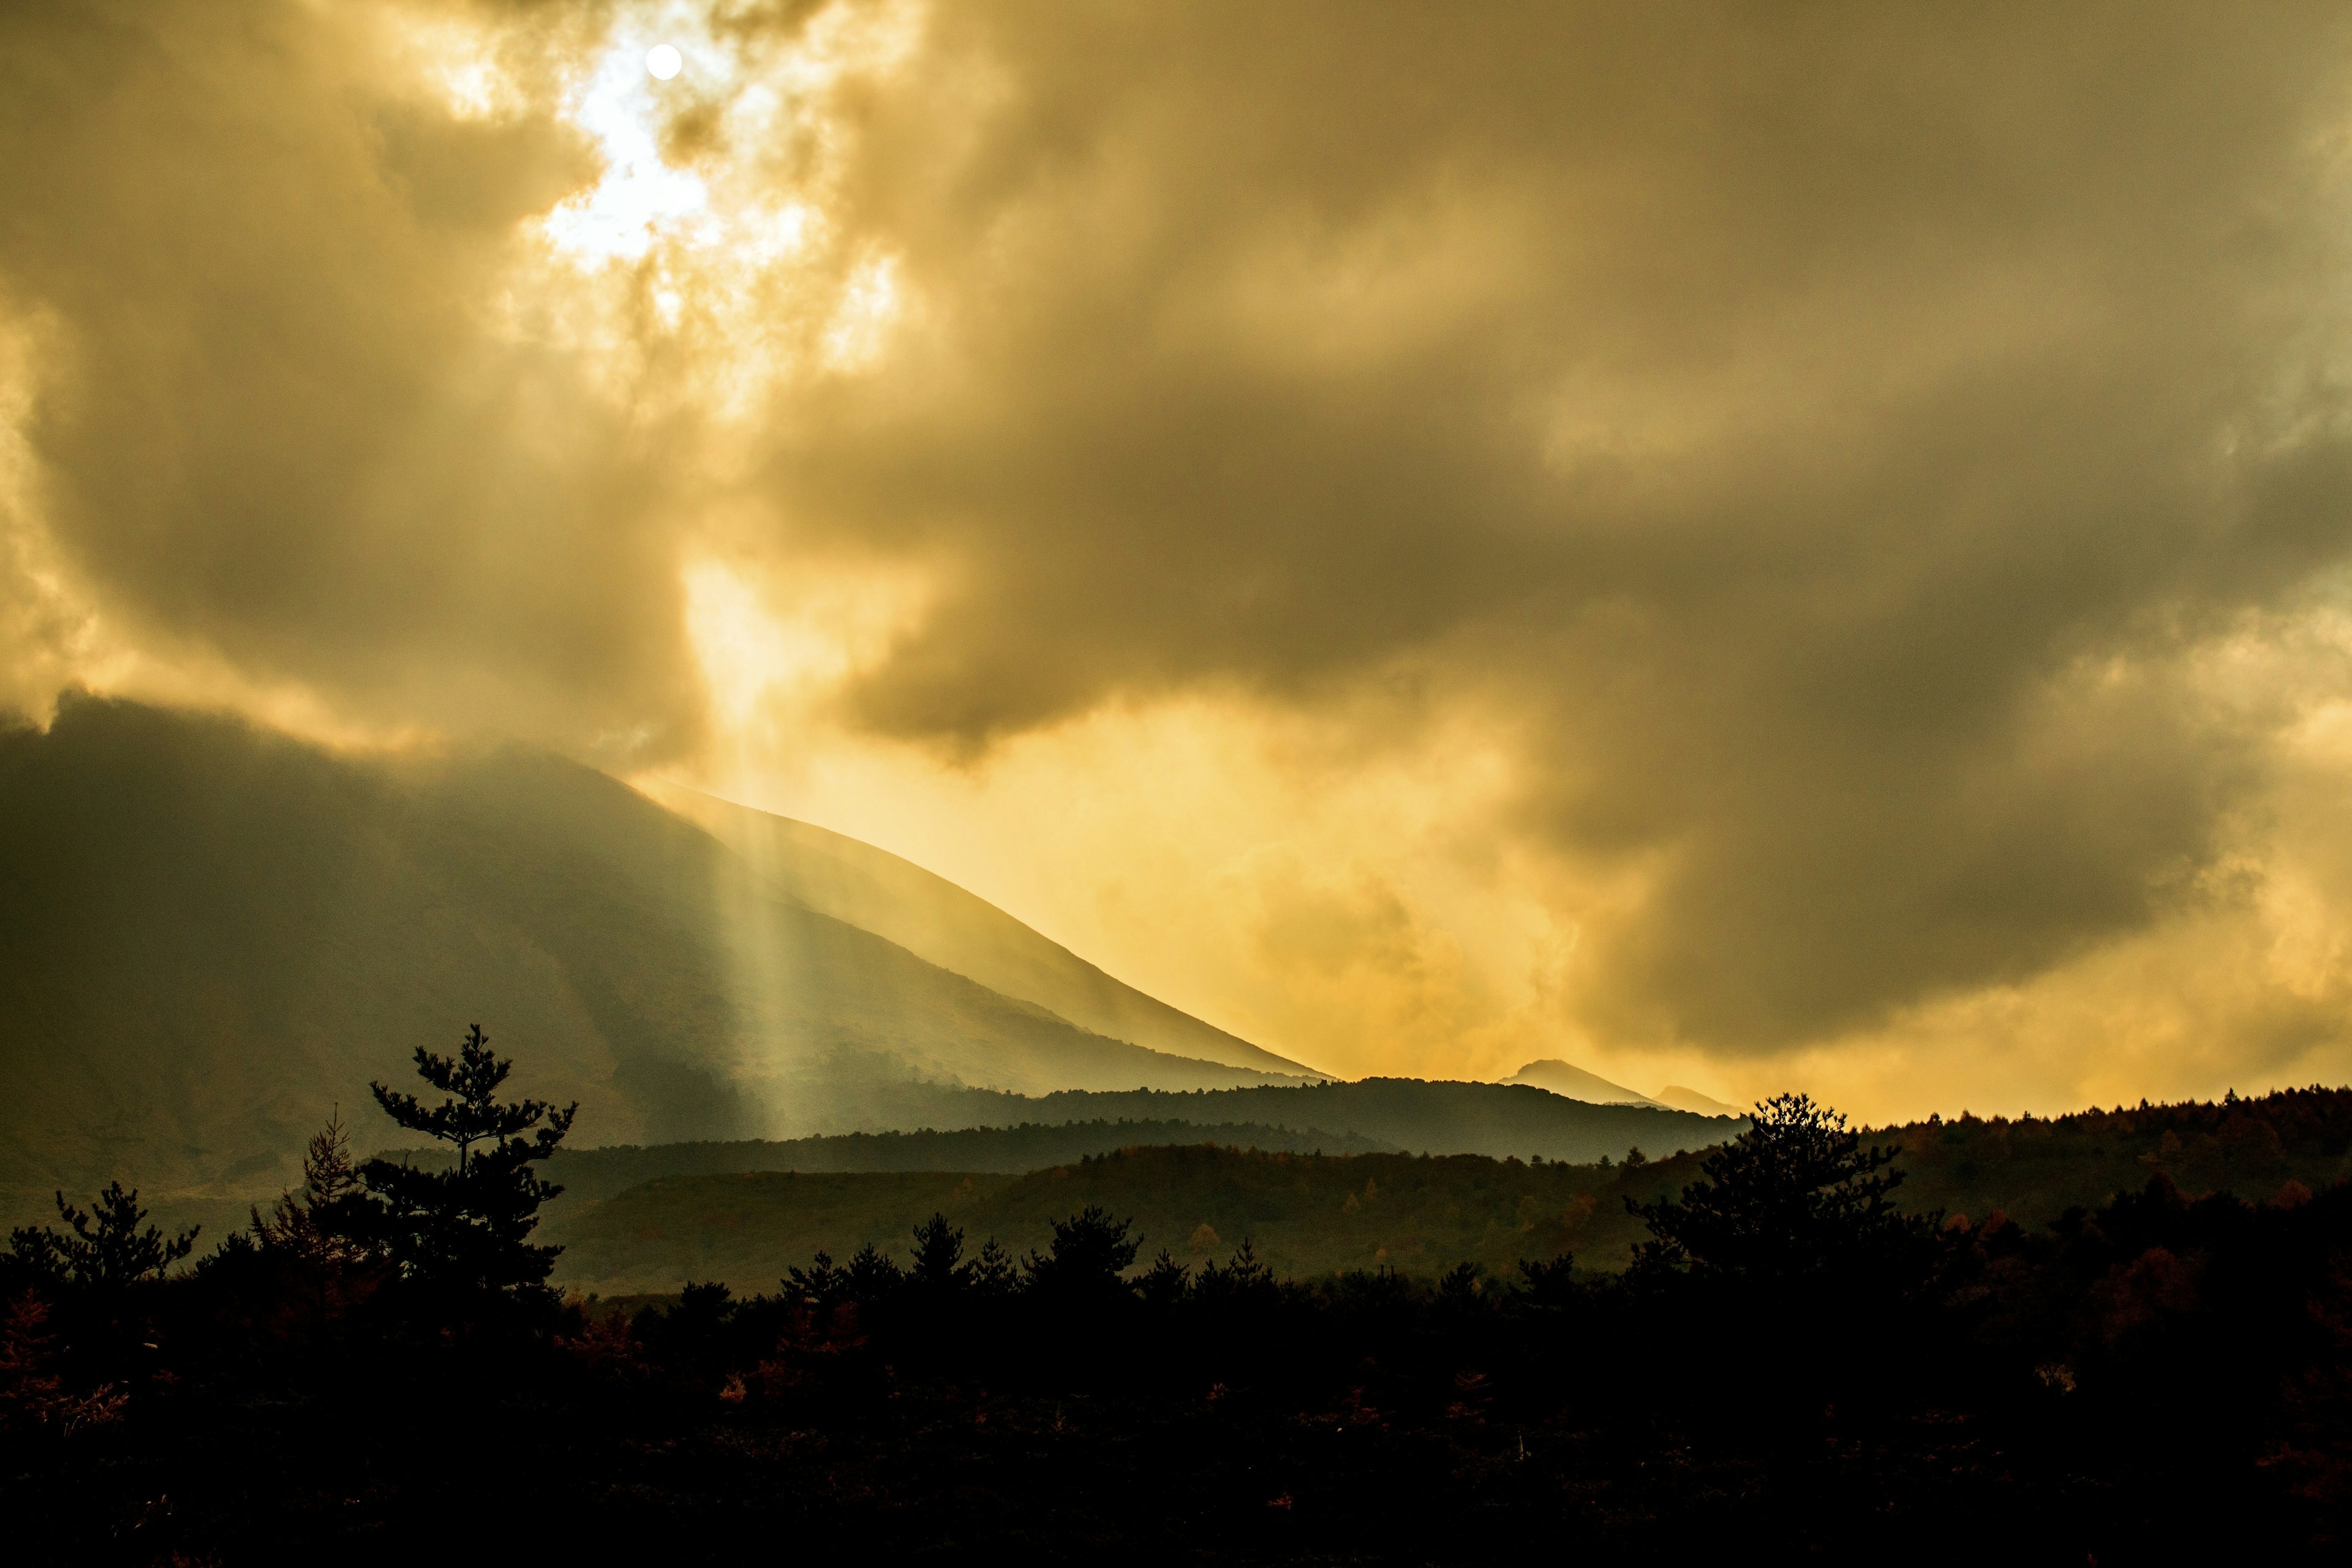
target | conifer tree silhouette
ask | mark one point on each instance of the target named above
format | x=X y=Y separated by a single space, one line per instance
x=326 y=1220
x=1796 y=1196
x=104 y=1249
x=470 y=1227
x=938 y=1268
x=1091 y=1250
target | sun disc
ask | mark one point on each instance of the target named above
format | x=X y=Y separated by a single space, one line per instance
x=664 y=61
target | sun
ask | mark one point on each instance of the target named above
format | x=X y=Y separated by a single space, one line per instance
x=664 y=61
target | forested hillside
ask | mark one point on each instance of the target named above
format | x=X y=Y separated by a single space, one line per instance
x=587 y=1174
x=1313 y=1215
x=1418 y=1115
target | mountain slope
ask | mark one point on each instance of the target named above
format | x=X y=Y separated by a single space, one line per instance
x=1567 y=1078
x=935 y=919
x=1692 y=1100
x=210 y=935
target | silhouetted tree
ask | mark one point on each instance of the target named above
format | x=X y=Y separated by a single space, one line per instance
x=104 y=1249
x=470 y=1227
x=1244 y=1278
x=327 y=1222
x=873 y=1279
x=1165 y=1282
x=938 y=1267
x=822 y=1284
x=1091 y=1250
x=993 y=1272
x=1795 y=1196
x=1549 y=1284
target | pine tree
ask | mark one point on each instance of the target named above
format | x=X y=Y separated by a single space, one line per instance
x=1244 y=1278
x=327 y=1222
x=874 y=1281
x=104 y=1249
x=822 y=1285
x=1091 y=1250
x=470 y=1227
x=939 y=1267
x=1166 y=1283
x=994 y=1273
x=1794 y=1197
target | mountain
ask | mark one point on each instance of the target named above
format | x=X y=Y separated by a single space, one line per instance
x=935 y=919
x=210 y=934
x=1692 y=1100
x=1565 y=1078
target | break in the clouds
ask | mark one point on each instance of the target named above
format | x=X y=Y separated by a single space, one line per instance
x=1722 y=536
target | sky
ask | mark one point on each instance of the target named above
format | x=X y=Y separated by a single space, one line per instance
x=1743 y=546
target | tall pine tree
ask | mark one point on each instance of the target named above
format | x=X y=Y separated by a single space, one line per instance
x=1794 y=1198
x=468 y=1226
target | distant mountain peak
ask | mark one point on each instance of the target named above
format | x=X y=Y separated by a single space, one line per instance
x=1568 y=1080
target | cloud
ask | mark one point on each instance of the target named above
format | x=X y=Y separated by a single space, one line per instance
x=282 y=424
x=1880 y=474
x=1830 y=430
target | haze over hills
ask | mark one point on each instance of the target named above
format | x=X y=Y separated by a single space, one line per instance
x=212 y=934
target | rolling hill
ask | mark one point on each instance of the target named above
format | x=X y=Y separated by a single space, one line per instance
x=210 y=934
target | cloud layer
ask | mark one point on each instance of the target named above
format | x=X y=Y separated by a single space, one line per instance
x=1869 y=483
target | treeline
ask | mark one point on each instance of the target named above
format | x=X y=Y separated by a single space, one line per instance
x=1424 y=1116
x=1792 y=1363
x=596 y=1173
x=2036 y=1168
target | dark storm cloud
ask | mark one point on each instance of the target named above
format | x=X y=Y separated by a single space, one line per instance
x=1795 y=409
